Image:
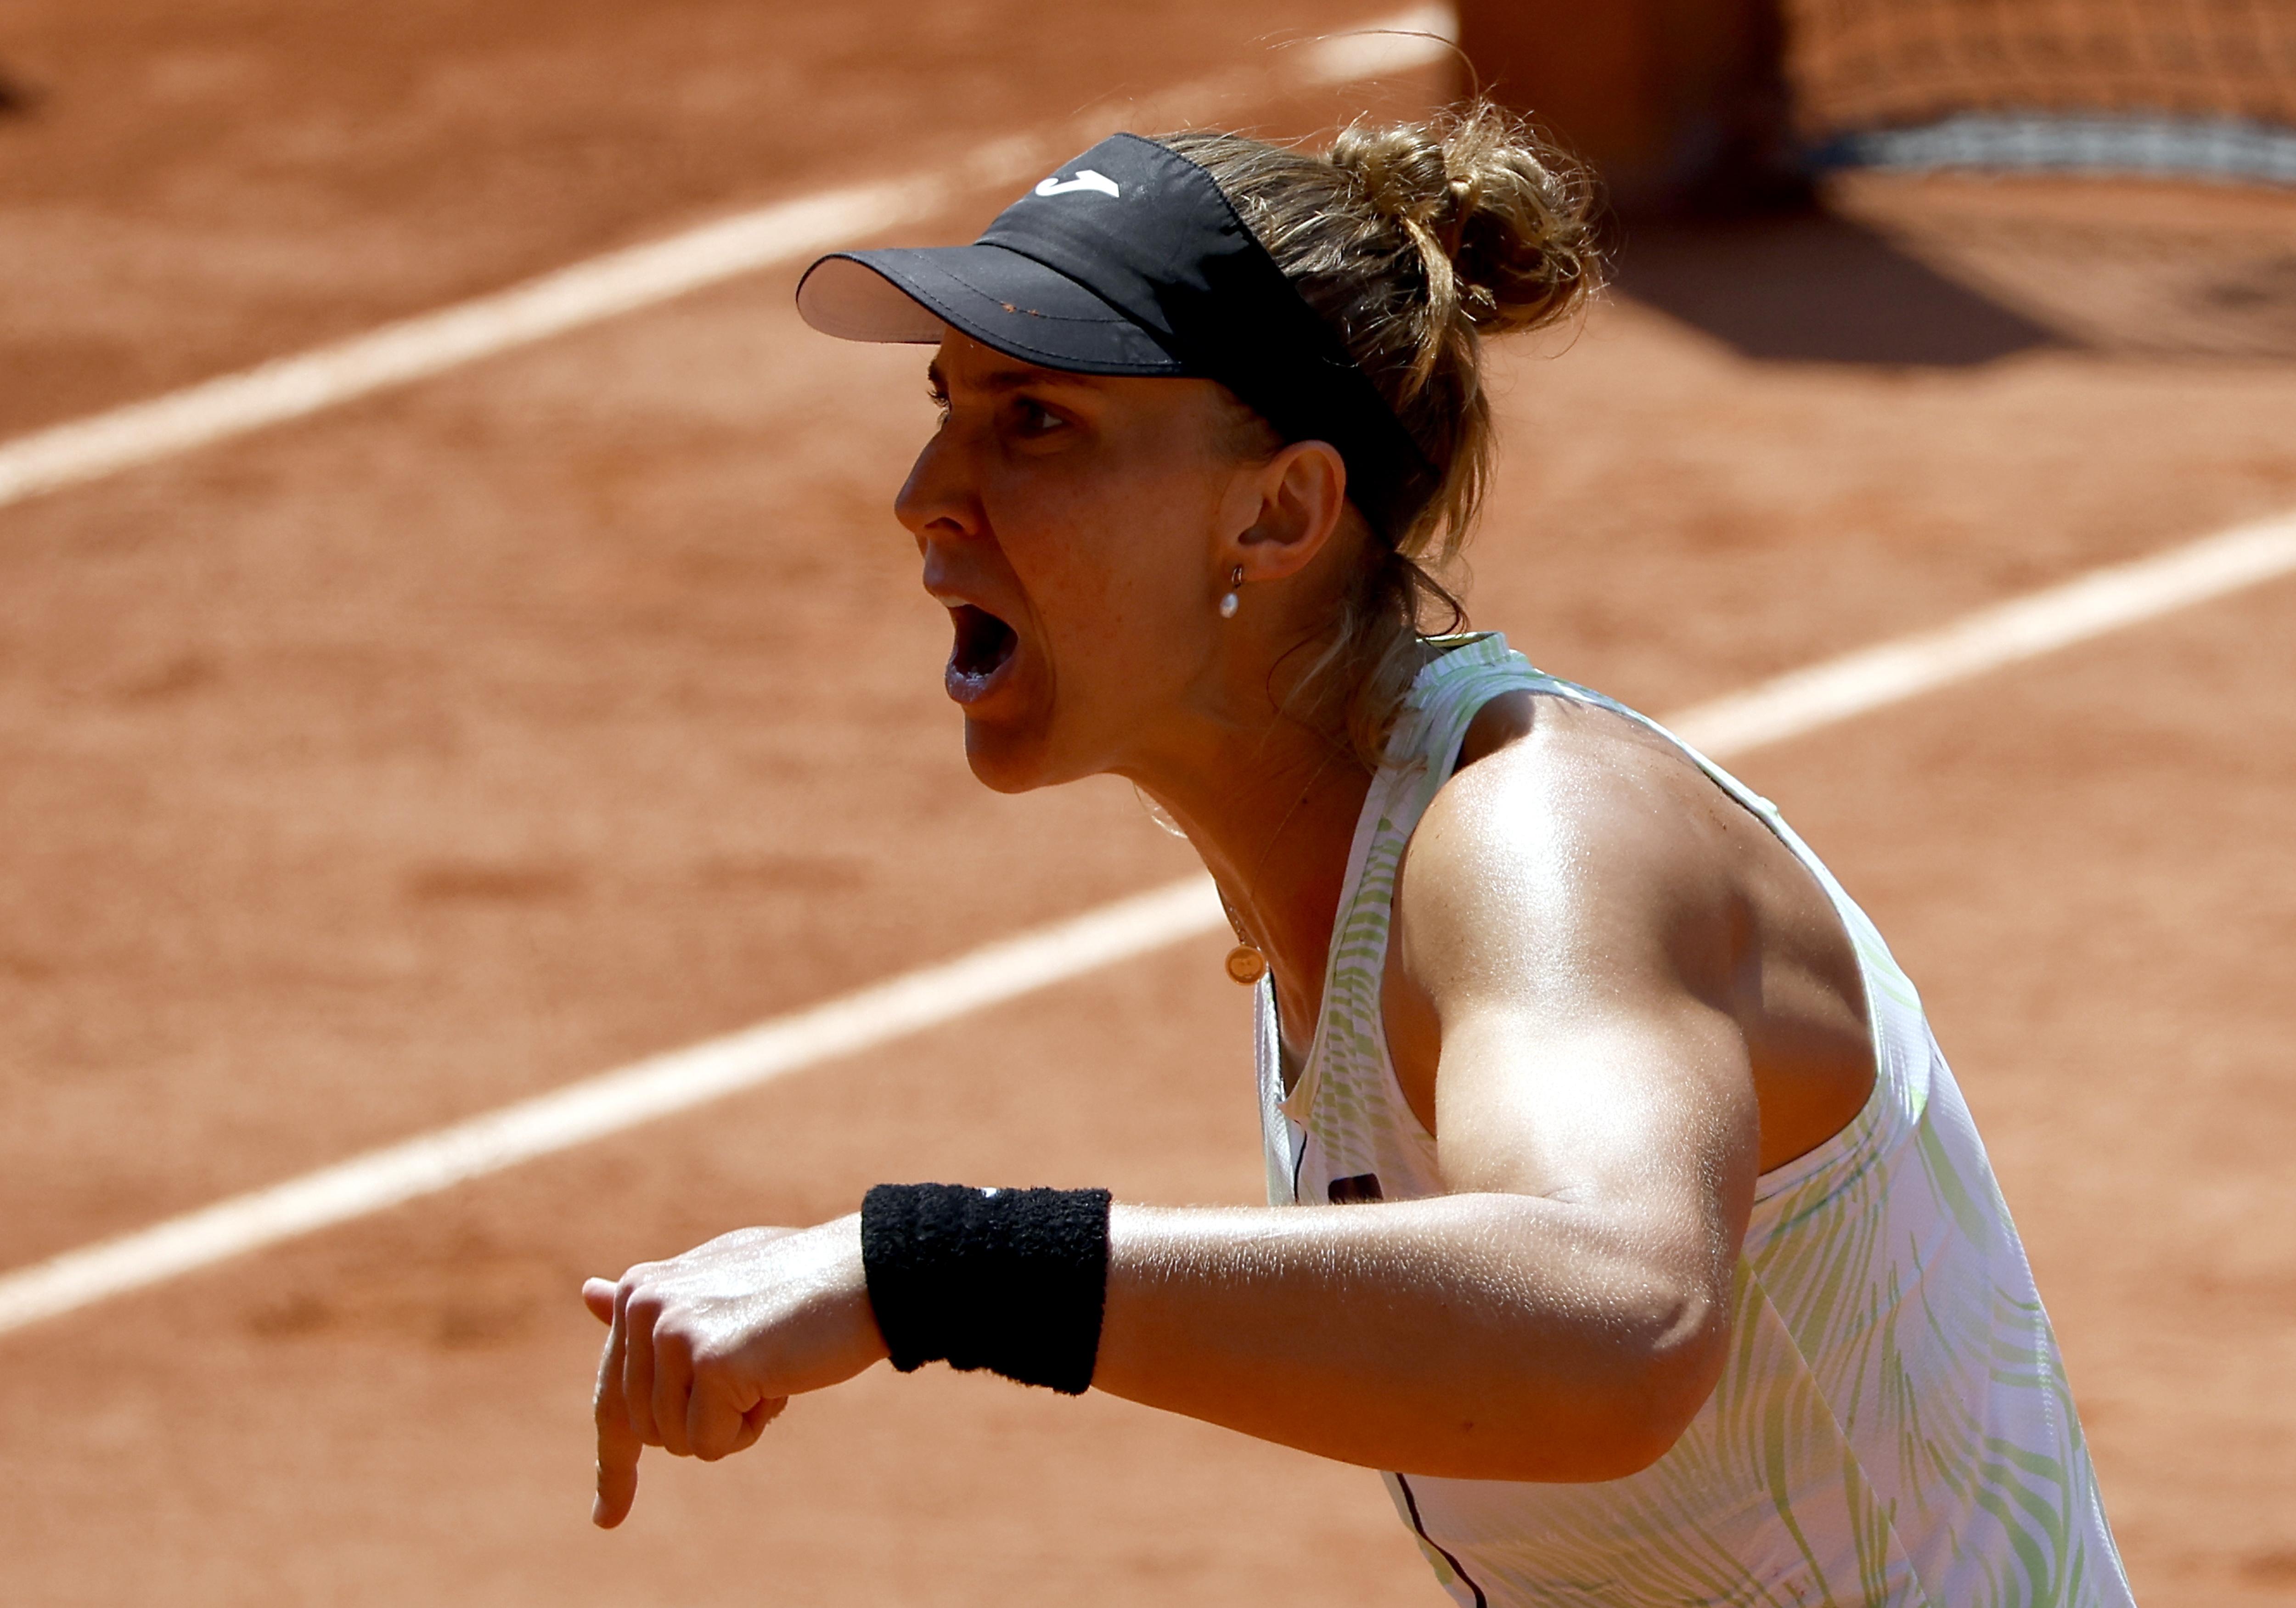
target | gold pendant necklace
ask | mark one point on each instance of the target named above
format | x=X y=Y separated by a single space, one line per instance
x=1245 y=964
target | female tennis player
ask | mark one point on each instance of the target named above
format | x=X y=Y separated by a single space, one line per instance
x=1622 y=1205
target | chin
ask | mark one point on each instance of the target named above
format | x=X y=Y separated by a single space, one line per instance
x=1003 y=760
x=1018 y=756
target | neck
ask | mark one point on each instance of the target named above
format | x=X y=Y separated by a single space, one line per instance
x=1271 y=809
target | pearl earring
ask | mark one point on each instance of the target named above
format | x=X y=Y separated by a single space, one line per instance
x=1228 y=605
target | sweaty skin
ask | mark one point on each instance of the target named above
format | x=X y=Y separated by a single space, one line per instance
x=1612 y=997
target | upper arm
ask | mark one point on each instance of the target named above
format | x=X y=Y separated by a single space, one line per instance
x=1569 y=922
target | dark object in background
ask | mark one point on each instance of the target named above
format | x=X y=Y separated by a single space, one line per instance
x=2152 y=145
x=1682 y=106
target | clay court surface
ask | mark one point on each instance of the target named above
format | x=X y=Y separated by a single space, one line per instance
x=368 y=772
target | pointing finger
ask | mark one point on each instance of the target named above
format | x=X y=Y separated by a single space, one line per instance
x=598 y=1295
x=618 y=1445
x=618 y=1469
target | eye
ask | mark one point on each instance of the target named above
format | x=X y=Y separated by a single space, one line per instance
x=939 y=397
x=1031 y=417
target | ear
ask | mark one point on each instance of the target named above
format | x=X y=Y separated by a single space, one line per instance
x=1284 y=511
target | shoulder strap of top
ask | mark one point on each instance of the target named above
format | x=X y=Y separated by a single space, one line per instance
x=1424 y=748
x=1467 y=673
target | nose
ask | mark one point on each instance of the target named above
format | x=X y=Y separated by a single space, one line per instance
x=938 y=500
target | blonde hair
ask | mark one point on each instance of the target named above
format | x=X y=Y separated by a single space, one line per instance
x=1414 y=241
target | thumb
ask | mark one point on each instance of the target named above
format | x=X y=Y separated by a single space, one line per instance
x=598 y=1295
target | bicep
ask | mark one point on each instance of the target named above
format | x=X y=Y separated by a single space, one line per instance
x=1645 y=1119
x=1566 y=923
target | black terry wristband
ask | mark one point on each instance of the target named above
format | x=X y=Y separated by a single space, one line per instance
x=1012 y=1280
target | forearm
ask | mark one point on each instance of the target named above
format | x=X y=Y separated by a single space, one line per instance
x=1492 y=1336
x=1485 y=1336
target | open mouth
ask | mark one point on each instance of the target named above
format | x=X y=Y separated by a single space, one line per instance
x=984 y=646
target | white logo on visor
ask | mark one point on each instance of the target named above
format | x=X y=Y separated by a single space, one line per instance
x=1085 y=180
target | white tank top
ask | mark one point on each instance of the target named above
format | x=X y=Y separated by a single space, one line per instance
x=1893 y=1426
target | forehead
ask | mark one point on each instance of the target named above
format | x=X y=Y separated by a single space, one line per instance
x=964 y=362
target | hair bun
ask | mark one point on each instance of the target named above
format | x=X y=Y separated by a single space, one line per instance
x=1501 y=221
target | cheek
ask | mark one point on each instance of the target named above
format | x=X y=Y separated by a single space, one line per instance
x=1119 y=589
x=1114 y=570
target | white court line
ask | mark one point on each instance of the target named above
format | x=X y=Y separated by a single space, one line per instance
x=2090 y=605
x=639 y=276
x=2099 y=601
x=613 y=1101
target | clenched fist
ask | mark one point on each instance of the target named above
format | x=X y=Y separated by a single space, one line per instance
x=704 y=1349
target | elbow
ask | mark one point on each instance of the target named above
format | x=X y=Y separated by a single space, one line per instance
x=1663 y=1383
x=1637 y=1436
x=1633 y=1406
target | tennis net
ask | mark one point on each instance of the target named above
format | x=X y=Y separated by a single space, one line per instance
x=2200 y=87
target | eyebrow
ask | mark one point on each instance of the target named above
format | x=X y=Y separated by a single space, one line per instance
x=1017 y=378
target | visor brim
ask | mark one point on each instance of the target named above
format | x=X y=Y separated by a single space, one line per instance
x=999 y=297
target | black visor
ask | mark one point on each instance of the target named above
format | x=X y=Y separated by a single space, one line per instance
x=1130 y=260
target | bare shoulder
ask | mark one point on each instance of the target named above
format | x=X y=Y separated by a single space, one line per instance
x=1574 y=824
x=1578 y=867
x=1523 y=739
